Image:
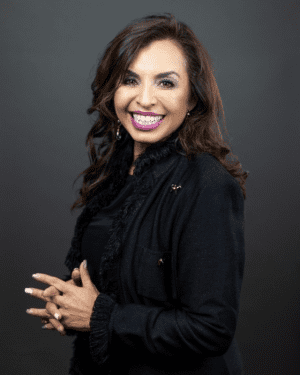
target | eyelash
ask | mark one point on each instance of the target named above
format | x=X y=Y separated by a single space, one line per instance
x=164 y=80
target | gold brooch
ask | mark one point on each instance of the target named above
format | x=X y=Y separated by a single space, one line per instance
x=175 y=188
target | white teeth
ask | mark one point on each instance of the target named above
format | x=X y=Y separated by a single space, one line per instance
x=147 y=119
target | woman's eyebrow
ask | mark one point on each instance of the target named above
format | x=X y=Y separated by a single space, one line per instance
x=160 y=75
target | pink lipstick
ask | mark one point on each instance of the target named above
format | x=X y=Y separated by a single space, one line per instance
x=145 y=127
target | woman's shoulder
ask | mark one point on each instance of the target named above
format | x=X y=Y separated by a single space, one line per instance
x=206 y=169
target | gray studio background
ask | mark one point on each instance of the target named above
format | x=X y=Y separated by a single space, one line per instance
x=49 y=51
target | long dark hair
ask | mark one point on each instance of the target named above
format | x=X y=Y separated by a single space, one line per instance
x=201 y=131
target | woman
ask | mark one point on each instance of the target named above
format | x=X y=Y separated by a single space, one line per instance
x=162 y=229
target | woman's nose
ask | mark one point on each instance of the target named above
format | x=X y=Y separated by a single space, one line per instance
x=146 y=96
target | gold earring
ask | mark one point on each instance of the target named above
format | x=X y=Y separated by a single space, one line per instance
x=118 y=136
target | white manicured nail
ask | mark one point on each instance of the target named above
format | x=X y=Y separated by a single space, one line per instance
x=56 y=316
x=28 y=290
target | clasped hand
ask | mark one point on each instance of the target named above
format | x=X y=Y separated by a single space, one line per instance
x=75 y=305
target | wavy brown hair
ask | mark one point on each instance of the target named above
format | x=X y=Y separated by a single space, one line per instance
x=201 y=131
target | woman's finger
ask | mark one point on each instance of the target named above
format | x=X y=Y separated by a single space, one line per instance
x=49 y=320
x=53 y=310
x=37 y=293
x=44 y=313
x=76 y=277
x=40 y=313
x=52 y=324
x=75 y=272
x=55 y=325
x=51 y=291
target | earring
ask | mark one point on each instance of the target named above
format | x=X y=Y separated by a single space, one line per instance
x=118 y=136
x=188 y=113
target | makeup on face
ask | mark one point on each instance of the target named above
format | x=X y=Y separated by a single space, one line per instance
x=155 y=86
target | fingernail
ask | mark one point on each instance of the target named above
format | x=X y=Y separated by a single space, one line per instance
x=29 y=311
x=56 y=316
x=28 y=290
x=75 y=269
x=84 y=263
x=36 y=275
x=45 y=326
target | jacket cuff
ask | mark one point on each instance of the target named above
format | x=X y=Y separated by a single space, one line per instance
x=99 y=334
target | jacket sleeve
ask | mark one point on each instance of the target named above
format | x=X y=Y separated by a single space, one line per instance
x=210 y=266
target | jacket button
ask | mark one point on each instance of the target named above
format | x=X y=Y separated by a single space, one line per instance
x=160 y=261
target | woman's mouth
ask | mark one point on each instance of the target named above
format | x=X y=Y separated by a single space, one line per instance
x=146 y=122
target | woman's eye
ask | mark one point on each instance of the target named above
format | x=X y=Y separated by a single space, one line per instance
x=170 y=82
x=126 y=81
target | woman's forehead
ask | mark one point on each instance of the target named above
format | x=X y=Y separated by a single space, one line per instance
x=159 y=57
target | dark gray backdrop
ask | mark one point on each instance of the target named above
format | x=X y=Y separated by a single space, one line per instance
x=48 y=55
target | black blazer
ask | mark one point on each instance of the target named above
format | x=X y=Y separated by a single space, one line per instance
x=172 y=273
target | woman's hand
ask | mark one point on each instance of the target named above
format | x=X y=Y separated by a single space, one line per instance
x=52 y=308
x=76 y=303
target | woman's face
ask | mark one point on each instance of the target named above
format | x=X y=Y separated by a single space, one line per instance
x=144 y=91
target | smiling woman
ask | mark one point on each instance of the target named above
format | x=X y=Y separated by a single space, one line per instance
x=157 y=65
x=168 y=266
x=148 y=95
